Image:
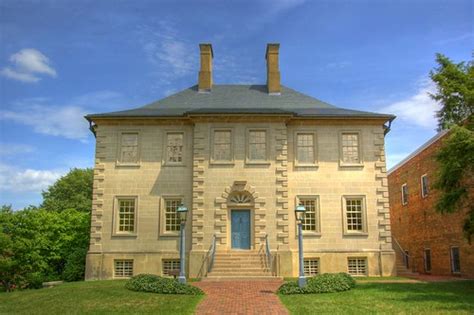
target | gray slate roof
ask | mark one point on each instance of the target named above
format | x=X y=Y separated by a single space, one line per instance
x=239 y=99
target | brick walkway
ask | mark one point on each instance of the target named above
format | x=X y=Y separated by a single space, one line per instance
x=240 y=297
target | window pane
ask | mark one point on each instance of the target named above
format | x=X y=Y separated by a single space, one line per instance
x=354 y=214
x=123 y=268
x=455 y=260
x=174 y=149
x=309 y=219
x=350 y=148
x=404 y=194
x=126 y=215
x=172 y=222
x=222 y=145
x=424 y=186
x=257 y=145
x=311 y=267
x=170 y=265
x=129 y=148
x=305 y=148
x=427 y=260
x=357 y=266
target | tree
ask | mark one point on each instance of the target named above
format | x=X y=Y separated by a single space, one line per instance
x=72 y=191
x=455 y=180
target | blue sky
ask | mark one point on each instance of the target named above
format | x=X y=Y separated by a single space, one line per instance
x=62 y=59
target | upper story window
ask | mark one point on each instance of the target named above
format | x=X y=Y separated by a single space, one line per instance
x=257 y=145
x=222 y=145
x=350 y=148
x=311 y=216
x=355 y=214
x=305 y=152
x=424 y=186
x=128 y=152
x=126 y=215
x=174 y=148
x=172 y=222
x=404 y=194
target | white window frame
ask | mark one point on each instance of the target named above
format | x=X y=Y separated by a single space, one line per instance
x=212 y=138
x=425 y=260
x=119 y=161
x=452 y=260
x=123 y=276
x=315 y=148
x=163 y=231
x=360 y=149
x=404 y=203
x=358 y=274
x=116 y=218
x=423 y=195
x=317 y=231
x=364 y=230
x=166 y=260
x=267 y=146
x=307 y=267
x=165 y=148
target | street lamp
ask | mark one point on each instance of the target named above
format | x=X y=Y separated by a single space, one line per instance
x=299 y=213
x=182 y=213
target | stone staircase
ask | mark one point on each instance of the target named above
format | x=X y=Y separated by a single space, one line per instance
x=402 y=270
x=244 y=264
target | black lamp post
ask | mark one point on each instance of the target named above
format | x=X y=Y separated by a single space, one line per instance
x=182 y=213
x=299 y=213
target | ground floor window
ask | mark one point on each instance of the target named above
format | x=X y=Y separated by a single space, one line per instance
x=357 y=266
x=170 y=265
x=311 y=266
x=123 y=268
x=455 y=260
x=428 y=260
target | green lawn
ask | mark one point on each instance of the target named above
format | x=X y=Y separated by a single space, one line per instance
x=97 y=297
x=455 y=297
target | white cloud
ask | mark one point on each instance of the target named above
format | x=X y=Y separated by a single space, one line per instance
x=27 y=65
x=65 y=121
x=418 y=109
x=8 y=149
x=26 y=180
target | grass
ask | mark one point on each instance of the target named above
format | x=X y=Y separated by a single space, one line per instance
x=455 y=297
x=94 y=297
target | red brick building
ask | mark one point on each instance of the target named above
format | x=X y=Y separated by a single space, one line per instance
x=433 y=242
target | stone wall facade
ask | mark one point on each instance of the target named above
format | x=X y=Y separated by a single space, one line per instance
x=273 y=187
x=418 y=227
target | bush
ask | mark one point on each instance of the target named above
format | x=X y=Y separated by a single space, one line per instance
x=156 y=284
x=324 y=283
x=75 y=265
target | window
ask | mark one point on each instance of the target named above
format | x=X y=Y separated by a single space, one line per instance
x=123 y=268
x=428 y=260
x=170 y=265
x=455 y=260
x=128 y=153
x=311 y=216
x=357 y=266
x=172 y=222
x=424 y=186
x=350 y=148
x=305 y=148
x=311 y=266
x=126 y=215
x=174 y=147
x=257 y=145
x=404 y=194
x=355 y=216
x=222 y=145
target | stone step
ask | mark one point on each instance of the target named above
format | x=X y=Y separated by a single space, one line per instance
x=240 y=278
x=238 y=274
x=234 y=269
x=239 y=265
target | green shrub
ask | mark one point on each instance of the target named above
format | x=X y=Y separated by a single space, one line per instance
x=156 y=284
x=75 y=265
x=324 y=283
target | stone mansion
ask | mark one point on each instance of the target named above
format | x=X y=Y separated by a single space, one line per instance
x=240 y=158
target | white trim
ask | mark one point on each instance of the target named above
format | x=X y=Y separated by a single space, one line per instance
x=423 y=195
x=417 y=151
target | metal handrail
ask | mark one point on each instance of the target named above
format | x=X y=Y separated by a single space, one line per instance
x=212 y=253
x=268 y=253
x=405 y=256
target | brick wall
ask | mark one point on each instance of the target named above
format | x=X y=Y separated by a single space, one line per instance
x=417 y=226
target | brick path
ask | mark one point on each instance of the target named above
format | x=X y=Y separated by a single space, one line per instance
x=240 y=297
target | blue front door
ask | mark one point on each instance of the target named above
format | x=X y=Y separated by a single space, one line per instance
x=240 y=229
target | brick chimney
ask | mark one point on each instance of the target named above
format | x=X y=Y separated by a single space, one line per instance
x=205 y=74
x=273 y=69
